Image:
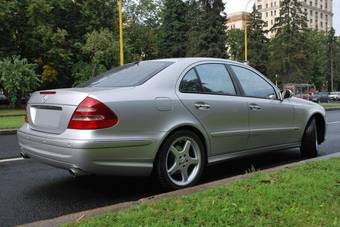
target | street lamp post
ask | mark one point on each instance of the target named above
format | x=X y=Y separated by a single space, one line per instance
x=246 y=35
x=121 y=48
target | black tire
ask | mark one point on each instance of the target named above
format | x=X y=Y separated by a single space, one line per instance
x=161 y=165
x=309 y=145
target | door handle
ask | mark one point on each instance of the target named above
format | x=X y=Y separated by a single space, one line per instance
x=202 y=106
x=254 y=107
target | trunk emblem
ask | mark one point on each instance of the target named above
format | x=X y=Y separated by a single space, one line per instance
x=44 y=98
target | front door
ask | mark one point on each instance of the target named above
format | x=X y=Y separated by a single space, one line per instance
x=271 y=121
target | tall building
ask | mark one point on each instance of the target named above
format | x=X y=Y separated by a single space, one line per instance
x=319 y=13
x=237 y=20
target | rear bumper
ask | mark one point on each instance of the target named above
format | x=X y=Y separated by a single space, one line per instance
x=121 y=156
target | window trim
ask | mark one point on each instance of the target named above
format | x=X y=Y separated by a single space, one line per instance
x=242 y=93
x=201 y=92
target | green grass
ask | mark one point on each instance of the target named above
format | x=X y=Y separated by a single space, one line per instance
x=307 y=195
x=329 y=106
x=11 y=122
x=11 y=111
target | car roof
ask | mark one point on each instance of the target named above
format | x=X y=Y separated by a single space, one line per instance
x=197 y=59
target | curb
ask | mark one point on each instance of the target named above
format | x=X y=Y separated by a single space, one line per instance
x=8 y=131
x=332 y=109
x=76 y=217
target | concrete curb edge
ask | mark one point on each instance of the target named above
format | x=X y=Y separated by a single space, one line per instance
x=8 y=131
x=76 y=217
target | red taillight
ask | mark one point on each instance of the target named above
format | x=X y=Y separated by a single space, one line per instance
x=92 y=114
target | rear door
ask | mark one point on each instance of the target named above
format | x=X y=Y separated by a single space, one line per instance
x=208 y=92
x=271 y=121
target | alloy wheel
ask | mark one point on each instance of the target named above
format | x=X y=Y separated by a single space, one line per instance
x=183 y=161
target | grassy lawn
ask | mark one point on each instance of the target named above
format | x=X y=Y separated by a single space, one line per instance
x=10 y=111
x=328 y=106
x=307 y=195
x=11 y=122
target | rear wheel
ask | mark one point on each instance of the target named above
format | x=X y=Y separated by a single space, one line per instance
x=181 y=160
x=309 y=145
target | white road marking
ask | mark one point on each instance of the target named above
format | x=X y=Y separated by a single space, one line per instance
x=11 y=160
x=333 y=122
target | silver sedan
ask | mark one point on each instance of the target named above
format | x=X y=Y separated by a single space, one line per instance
x=170 y=117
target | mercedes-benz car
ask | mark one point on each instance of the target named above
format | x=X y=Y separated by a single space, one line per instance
x=169 y=117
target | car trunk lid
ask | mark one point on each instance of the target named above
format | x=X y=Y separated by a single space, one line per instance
x=50 y=111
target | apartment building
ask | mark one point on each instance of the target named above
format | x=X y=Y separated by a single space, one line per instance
x=237 y=20
x=319 y=13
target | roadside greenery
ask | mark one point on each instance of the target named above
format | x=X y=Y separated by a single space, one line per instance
x=330 y=106
x=4 y=111
x=17 y=78
x=71 y=41
x=11 y=122
x=307 y=195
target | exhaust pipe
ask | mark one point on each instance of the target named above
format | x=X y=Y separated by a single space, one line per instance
x=24 y=155
x=76 y=172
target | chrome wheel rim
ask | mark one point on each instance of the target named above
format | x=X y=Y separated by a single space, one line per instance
x=183 y=161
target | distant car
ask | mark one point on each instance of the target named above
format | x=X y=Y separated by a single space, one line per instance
x=321 y=97
x=169 y=117
x=3 y=98
x=305 y=96
x=334 y=96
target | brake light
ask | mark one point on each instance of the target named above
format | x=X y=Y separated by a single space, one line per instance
x=92 y=114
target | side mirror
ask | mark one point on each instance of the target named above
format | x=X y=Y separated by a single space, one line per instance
x=286 y=94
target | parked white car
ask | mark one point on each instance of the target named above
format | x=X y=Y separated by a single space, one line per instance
x=334 y=96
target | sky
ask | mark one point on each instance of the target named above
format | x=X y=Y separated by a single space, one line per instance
x=240 y=5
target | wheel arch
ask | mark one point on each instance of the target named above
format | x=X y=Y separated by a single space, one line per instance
x=320 y=126
x=190 y=127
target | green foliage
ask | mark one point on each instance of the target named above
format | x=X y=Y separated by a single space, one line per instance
x=316 y=49
x=17 y=78
x=235 y=42
x=82 y=71
x=173 y=29
x=207 y=33
x=287 y=49
x=258 y=42
x=99 y=48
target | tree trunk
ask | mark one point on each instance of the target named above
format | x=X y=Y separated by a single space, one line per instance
x=94 y=66
x=18 y=100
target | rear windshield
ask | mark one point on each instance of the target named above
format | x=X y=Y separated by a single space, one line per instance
x=132 y=74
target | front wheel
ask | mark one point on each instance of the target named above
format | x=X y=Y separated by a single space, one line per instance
x=309 y=145
x=181 y=160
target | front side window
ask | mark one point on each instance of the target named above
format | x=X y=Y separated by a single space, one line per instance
x=253 y=85
x=215 y=79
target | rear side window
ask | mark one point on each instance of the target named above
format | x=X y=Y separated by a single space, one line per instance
x=132 y=74
x=215 y=79
x=253 y=85
x=190 y=83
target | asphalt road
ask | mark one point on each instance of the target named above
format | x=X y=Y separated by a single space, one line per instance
x=30 y=191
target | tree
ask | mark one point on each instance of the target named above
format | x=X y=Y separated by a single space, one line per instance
x=257 y=42
x=99 y=48
x=235 y=44
x=143 y=20
x=288 y=58
x=173 y=29
x=331 y=47
x=207 y=32
x=17 y=78
x=316 y=50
